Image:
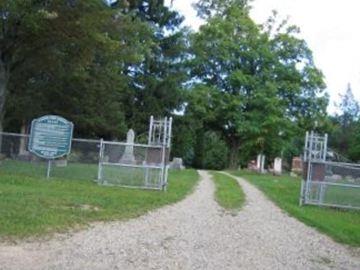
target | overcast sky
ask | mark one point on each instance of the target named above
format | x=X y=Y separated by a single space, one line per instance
x=331 y=29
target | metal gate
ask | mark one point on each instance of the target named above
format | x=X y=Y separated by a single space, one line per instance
x=327 y=179
x=136 y=165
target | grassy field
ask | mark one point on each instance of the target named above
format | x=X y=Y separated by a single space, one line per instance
x=342 y=225
x=228 y=193
x=33 y=206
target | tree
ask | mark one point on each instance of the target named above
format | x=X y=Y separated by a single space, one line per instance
x=41 y=41
x=209 y=8
x=82 y=73
x=349 y=108
x=259 y=84
x=156 y=83
x=344 y=137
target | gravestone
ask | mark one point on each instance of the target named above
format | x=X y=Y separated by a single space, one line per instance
x=177 y=164
x=128 y=156
x=252 y=165
x=260 y=163
x=61 y=163
x=262 y=168
x=297 y=166
x=278 y=166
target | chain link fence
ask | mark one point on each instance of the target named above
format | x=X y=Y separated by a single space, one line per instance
x=106 y=162
x=132 y=165
x=81 y=164
x=327 y=182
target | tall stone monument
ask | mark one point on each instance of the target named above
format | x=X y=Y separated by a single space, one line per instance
x=128 y=156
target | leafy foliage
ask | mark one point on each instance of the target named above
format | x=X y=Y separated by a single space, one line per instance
x=258 y=88
x=235 y=88
x=344 y=137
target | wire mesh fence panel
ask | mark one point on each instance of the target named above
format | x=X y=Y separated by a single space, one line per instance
x=326 y=182
x=110 y=163
x=81 y=164
x=141 y=177
x=132 y=165
x=345 y=173
x=329 y=194
x=15 y=159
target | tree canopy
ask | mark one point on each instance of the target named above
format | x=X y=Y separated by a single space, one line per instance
x=235 y=88
x=256 y=88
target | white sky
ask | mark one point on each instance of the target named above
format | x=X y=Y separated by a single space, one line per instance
x=330 y=27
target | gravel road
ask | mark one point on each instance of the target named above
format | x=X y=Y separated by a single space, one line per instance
x=192 y=234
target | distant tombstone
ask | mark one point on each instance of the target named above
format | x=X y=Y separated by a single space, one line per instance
x=262 y=166
x=260 y=163
x=61 y=163
x=177 y=164
x=318 y=171
x=128 y=156
x=278 y=166
x=297 y=166
x=252 y=165
x=335 y=178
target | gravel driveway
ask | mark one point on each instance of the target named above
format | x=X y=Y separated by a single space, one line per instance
x=192 y=234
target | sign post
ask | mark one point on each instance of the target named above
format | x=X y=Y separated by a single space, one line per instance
x=50 y=138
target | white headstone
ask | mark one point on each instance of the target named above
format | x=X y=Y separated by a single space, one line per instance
x=262 y=167
x=258 y=162
x=278 y=166
x=128 y=156
x=177 y=164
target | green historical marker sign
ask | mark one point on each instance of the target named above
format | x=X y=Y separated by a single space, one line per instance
x=50 y=137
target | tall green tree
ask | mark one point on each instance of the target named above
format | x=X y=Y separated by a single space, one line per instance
x=82 y=73
x=344 y=136
x=156 y=83
x=43 y=42
x=261 y=85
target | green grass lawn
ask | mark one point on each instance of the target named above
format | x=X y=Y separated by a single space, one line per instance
x=228 y=193
x=342 y=225
x=32 y=206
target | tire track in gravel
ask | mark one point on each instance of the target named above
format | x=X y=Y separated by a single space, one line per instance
x=192 y=234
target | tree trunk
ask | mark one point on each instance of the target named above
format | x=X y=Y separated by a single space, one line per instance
x=4 y=78
x=234 y=154
x=23 y=141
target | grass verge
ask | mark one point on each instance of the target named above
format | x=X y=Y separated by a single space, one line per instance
x=228 y=192
x=341 y=225
x=36 y=206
